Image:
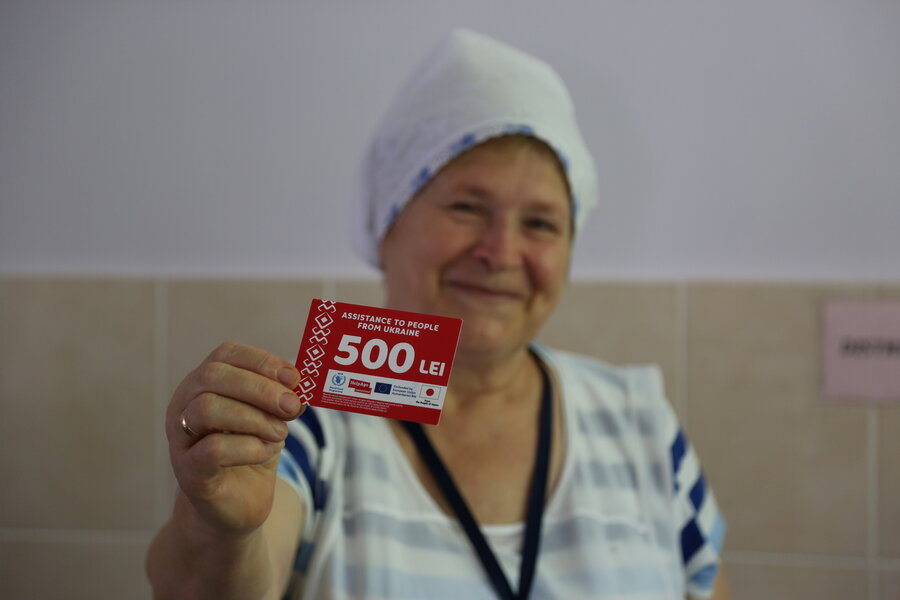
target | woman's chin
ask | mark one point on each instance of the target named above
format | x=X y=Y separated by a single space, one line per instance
x=482 y=342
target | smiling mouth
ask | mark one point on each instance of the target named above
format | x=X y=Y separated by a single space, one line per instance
x=486 y=292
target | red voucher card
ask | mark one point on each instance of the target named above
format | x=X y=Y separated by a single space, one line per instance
x=376 y=361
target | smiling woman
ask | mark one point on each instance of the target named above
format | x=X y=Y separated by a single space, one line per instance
x=551 y=475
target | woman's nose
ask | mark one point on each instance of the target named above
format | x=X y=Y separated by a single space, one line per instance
x=498 y=246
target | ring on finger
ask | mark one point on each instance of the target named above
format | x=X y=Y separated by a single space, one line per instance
x=187 y=428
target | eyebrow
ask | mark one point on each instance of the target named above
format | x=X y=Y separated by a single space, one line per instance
x=534 y=202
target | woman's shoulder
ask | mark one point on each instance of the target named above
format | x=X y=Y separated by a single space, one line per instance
x=631 y=396
x=644 y=379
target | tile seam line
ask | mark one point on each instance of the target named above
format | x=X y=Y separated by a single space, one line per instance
x=161 y=315
x=329 y=288
x=780 y=559
x=682 y=359
x=872 y=491
x=796 y=559
x=64 y=536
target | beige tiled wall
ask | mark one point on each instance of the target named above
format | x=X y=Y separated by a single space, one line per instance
x=752 y=373
x=811 y=489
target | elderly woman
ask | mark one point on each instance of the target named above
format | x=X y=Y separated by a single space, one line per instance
x=550 y=476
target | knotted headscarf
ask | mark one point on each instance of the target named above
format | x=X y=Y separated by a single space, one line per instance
x=468 y=89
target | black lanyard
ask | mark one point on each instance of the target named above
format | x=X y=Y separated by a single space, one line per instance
x=535 y=510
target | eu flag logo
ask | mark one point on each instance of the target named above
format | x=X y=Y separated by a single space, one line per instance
x=382 y=388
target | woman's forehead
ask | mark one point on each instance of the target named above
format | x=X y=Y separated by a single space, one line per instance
x=515 y=143
x=478 y=165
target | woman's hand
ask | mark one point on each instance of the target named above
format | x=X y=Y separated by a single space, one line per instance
x=226 y=427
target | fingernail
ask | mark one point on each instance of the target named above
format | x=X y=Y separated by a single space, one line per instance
x=288 y=376
x=289 y=403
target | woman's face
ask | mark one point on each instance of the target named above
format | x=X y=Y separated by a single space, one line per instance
x=488 y=240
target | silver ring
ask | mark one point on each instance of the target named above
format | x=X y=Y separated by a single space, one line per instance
x=186 y=428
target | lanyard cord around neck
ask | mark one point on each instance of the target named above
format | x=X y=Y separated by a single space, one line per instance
x=535 y=511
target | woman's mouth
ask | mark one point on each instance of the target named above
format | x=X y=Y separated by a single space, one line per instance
x=487 y=292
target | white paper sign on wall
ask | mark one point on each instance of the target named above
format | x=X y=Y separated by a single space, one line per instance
x=861 y=350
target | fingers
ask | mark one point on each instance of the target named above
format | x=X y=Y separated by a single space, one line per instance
x=249 y=387
x=237 y=389
x=226 y=428
x=258 y=361
x=206 y=458
x=211 y=413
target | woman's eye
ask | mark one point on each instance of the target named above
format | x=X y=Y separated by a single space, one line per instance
x=539 y=224
x=464 y=207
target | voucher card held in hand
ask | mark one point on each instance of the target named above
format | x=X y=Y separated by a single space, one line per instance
x=376 y=361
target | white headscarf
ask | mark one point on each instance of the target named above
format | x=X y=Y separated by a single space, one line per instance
x=468 y=89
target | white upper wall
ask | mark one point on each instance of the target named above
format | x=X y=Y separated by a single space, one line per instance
x=733 y=139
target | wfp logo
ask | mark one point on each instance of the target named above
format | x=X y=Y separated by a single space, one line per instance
x=339 y=379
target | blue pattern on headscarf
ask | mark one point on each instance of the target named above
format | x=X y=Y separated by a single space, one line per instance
x=419 y=182
x=462 y=144
x=520 y=129
x=392 y=216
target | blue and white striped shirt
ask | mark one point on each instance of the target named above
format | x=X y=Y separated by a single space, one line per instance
x=631 y=516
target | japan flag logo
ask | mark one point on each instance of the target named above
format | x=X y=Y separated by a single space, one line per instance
x=430 y=392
